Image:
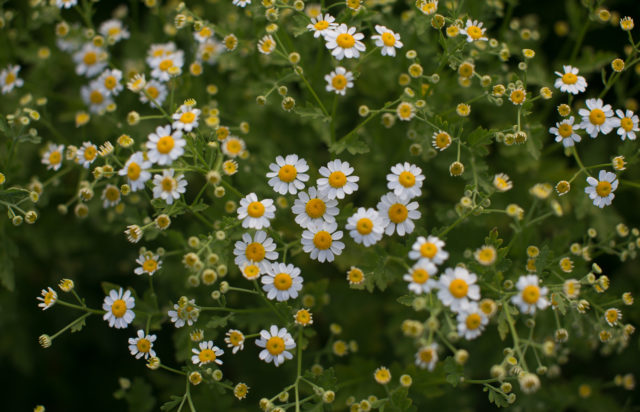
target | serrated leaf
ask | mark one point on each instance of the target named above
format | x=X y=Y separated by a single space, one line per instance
x=503 y=326
x=172 y=404
x=406 y=300
x=299 y=26
x=312 y=112
x=219 y=321
x=78 y=325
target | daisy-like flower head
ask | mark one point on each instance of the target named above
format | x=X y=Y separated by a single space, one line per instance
x=569 y=81
x=337 y=179
x=420 y=277
x=366 y=226
x=427 y=7
x=344 y=42
x=321 y=25
x=86 y=154
x=165 y=65
x=303 y=317
x=241 y=3
x=627 y=124
x=430 y=249
x=612 y=316
x=206 y=354
x=66 y=4
x=427 y=357
x=90 y=60
x=518 y=96
x=276 y=343
x=9 y=79
x=405 y=111
x=185 y=312
x=118 y=306
x=441 y=140
x=471 y=321
x=313 y=208
x=601 y=190
x=405 y=180
x=287 y=174
x=267 y=44
x=168 y=187
x=234 y=339
x=355 y=276
x=142 y=345
x=96 y=97
x=598 y=118
x=565 y=132
x=165 y=146
x=186 y=118
x=398 y=214
x=210 y=50
x=457 y=287
x=149 y=264
x=259 y=250
x=339 y=80
x=530 y=295
x=157 y=51
x=382 y=375
x=502 y=183
x=110 y=196
x=322 y=241
x=474 y=31
x=251 y=270
x=113 y=29
x=254 y=213
x=136 y=171
x=203 y=35
x=232 y=146
x=486 y=255
x=48 y=298
x=53 y=156
x=110 y=80
x=387 y=40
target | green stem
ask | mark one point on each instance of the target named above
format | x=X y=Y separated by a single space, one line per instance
x=83 y=308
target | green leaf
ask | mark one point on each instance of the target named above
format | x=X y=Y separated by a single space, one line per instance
x=406 y=300
x=299 y=26
x=219 y=321
x=453 y=371
x=140 y=397
x=78 y=325
x=311 y=112
x=503 y=326
x=352 y=143
x=172 y=404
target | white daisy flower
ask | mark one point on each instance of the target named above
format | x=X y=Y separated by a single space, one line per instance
x=321 y=25
x=313 y=208
x=113 y=29
x=163 y=67
x=210 y=50
x=502 y=182
x=186 y=118
x=259 y=250
x=405 y=111
x=457 y=287
x=167 y=187
x=53 y=156
x=627 y=124
x=322 y=241
x=149 y=264
x=601 y=190
x=387 y=40
x=427 y=357
x=241 y=3
x=398 y=214
x=471 y=321
x=96 y=97
x=142 y=346
x=276 y=343
x=405 y=180
x=185 y=312
x=232 y=146
x=254 y=213
x=165 y=146
x=154 y=92
x=565 y=132
x=267 y=44
x=66 y=4
x=430 y=249
x=344 y=42
x=474 y=31
x=118 y=306
x=530 y=296
x=157 y=51
x=250 y=270
x=9 y=78
x=598 y=119
x=203 y=35
x=612 y=316
x=281 y=281
x=420 y=277
x=86 y=154
x=48 y=298
x=287 y=174
x=90 y=60
x=136 y=171
x=110 y=196
x=569 y=81
x=365 y=226
x=234 y=339
x=206 y=354
x=336 y=180
x=111 y=81
x=339 y=81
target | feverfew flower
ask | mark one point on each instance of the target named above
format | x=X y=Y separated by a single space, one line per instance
x=597 y=119
x=168 y=187
x=90 y=60
x=398 y=214
x=474 y=31
x=86 y=154
x=206 y=353
x=601 y=189
x=569 y=81
x=427 y=357
x=471 y=321
x=254 y=213
x=287 y=174
x=96 y=97
x=149 y=264
x=110 y=80
x=186 y=118
x=185 y=311
x=429 y=249
x=232 y=146
x=66 y=4
x=627 y=124
x=259 y=250
x=457 y=287
x=314 y=207
x=110 y=196
x=154 y=92
x=321 y=25
x=337 y=179
x=387 y=40
x=48 y=298
x=267 y=44
x=136 y=171
x=118 y=306
x=420 y=277
x=113 y=29
x=502 y=183
x=530 y=296
x=142 y=346
x=165 y=146
x=234 y=339
x=565 y=133
x=241 y=3
x=163 y=67
x=276 y=343
x=365 y=226
x=339 y=80
x=53 y=156
x=203 y=35
x=9 y=79
x=322 y=241
x=281 y=281
x=344 y=42
x=405 y=180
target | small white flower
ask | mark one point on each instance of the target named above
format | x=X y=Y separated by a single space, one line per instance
x=569 y=81
x=185 y=118
x=90 y=60
x=387 y=40
x=53 y=156
x=203 y=35
x=471 y=321
x=232 y=146
x=502 y=183
x=398 y=214
x=287 y=174
x=321 y=25
x=405 y=180
x=259 y=250
x=136 y=171
x=241 y=3
x=168 y=188
x=337 y=179
x=234 y=339
x=118 y=306
x=254 y=213
x=165 y=65
x=427 y=357
x=430 y=249
x=267 y=44
x=206 y=354
x=365 y=226
x=142 y=346
x=339 y=81
x=281 y=281
x=313 y=208
x=565 y=132
x=9 y=78
x=165 y=146
x=186 y=312
x=114 y=29
x=96 y=97
x=598 y=119
x=110 y=196
x=420 y=277
x=627 y=124
x=48 y=298
x=322 y=241
x=344 y=42
x=149 y=264
x=276 y=343
x=157 y=51
x=457 y=287
x=601 y=190
x=86 y=154
x=474 y=31
x=530 y=296
x=111 y=81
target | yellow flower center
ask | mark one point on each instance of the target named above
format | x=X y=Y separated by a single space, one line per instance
x=420 y=276
x=443 y=140
x=337 y=179
x=315 y=208
x=143 y=345
x=187 y=117
x=407 y=179
x=90 y=153
x=322 y=240
x=321 y=25
x=118 y=308
x=398 y=213
x=168 y=183
x=339 y=82
x=275 y=345
x=234 y=146
x=612 y=316
x=165 y=144
x=113 y=31
x=426 y=355
x=205 y=32
x=90 y=58
x=486 y=255
x=55 y=157
x=569 y=78
x=405 y=111
x=474 y=32
x=10 y=78
x=355 y=275
x=458 y=288
x=473 y=321
x=206 y=356
x=235 y=338
x=110 y=82
x=626 y=123
x=565 y=130
x=287 y=173
x=531 y=294
x=597 y=117
x=251 y=271
x=255 y=209
x=428 y=250
x=153 y=92
x=364 y=226
x=112 y=194
x=388 y=39
x=267 y=45
x=96 y=97
x=302 y=317
x=165 y=65
x=465 y=70
x=49 y=298
x=345 y=40
x=150 y=265
x=603 y=188
x=517 y=96
x=133 y=171
x=255 y=252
